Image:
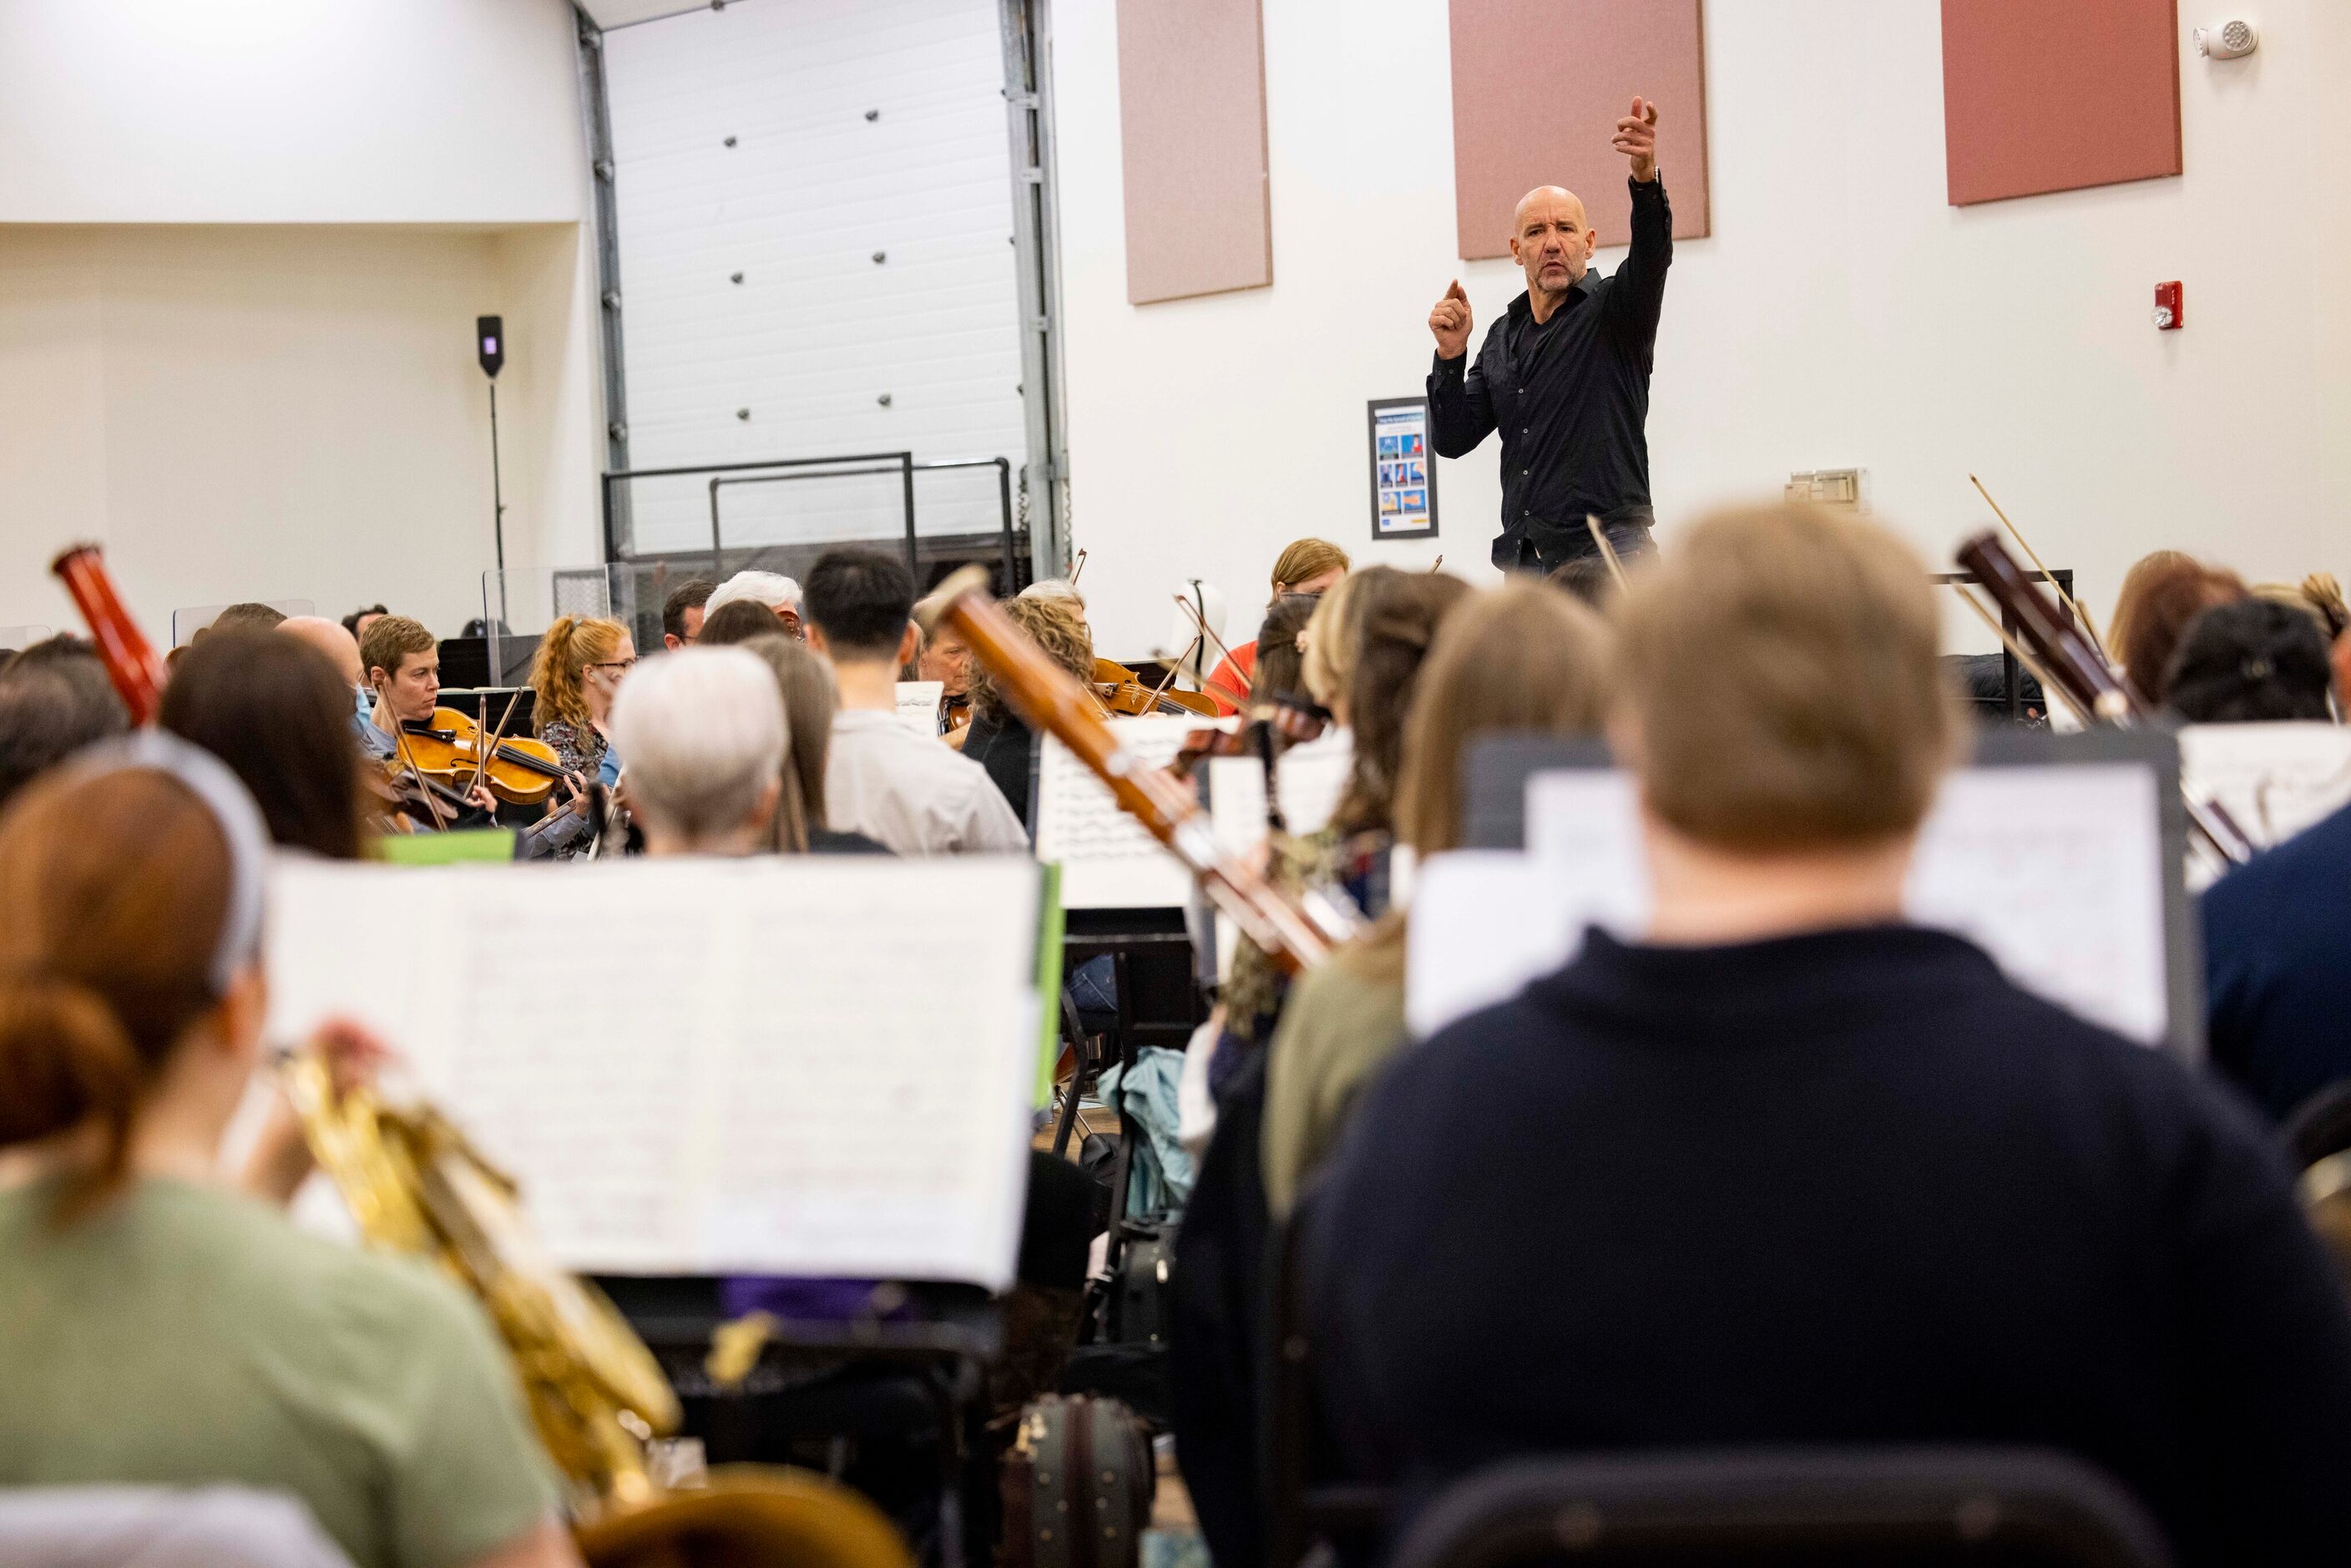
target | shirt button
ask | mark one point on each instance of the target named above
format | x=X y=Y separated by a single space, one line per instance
x=1524 y=472
x=1528 y=431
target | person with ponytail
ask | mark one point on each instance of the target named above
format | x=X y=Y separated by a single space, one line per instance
x=157 y=1326
x=577 y=671
x=580 y=664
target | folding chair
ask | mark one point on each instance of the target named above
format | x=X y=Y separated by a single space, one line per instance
x=1920 y=1508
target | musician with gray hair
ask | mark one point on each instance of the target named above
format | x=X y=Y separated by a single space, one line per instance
x=772 y=589
x=704 y=734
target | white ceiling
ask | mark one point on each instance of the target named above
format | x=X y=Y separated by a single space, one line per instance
x=621 y=13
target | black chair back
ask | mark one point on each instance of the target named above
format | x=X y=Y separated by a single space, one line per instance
x=1919 y=1508
x=2320 y=1125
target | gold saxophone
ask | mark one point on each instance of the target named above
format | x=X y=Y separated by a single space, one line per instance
x=414 y=1184
x=597 y=1396
x=595 y=1392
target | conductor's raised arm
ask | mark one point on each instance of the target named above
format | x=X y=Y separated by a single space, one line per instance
x=1461 y=413
x=1637 y=293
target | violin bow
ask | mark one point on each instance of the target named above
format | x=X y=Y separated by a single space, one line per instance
x=1607 y=551
x=2046 y=576
x=1200 y=623
x=1433 y=565
x=1078 y=571
x=415 y=774
x=498 y=737
x=481 y=728
x=1173 y=671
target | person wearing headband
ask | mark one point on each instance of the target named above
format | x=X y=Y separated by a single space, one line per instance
x=158 y=1327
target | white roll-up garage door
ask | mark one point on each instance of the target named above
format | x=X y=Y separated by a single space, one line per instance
x=815 y=260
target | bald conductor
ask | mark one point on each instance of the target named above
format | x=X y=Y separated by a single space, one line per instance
x=1565 y=374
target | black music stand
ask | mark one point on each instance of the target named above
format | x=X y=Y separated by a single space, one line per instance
x=2011 y=680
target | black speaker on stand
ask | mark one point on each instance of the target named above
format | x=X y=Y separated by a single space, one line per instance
x=490 y=346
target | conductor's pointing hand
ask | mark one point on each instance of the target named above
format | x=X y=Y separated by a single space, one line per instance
x=1451 y=323
x=1636 y=138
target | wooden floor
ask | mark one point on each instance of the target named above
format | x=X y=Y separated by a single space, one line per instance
x=1099 y=1119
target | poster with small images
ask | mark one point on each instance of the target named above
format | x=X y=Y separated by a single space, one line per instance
x=1403 y=470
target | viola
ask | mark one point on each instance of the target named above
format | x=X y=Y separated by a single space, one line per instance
x=1294 y=932
x=448 y=748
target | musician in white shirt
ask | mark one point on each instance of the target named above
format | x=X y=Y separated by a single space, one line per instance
x=909 y=791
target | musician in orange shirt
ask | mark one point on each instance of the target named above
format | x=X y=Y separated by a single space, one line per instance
x=1304 y=566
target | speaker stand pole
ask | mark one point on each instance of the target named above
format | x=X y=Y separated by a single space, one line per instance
x=498 y=498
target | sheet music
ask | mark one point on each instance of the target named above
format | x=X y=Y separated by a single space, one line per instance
x=1237 y=813
x=2056 y=872
x=1237 y=802
x=705 y=1066
x=1109 y=861
x=2275 y=780
x=918 y=705
x=1484 y=923
x=1311 y=777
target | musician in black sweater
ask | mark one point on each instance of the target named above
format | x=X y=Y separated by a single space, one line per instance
x=1790 y=1171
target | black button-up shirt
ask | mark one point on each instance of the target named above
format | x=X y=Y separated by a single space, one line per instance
x=1571 y=396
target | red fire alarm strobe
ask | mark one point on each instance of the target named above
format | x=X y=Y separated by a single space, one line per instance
x=2170 y=311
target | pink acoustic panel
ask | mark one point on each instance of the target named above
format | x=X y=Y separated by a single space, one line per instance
x=1538 y=87
x=2055 y=95
x=1191 y=90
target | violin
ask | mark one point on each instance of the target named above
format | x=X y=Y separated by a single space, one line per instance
x=1123 y=694
x=1287 y=717
x=1294 y=932
x=419 y=800
x=447 y=747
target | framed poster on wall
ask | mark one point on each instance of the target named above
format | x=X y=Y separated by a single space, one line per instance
x=1403 y=470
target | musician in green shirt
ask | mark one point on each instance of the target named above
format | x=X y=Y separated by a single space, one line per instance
x=157 y=1327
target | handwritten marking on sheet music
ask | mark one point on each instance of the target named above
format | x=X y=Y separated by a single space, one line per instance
x=707 y=1066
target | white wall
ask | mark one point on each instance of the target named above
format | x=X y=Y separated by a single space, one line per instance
x=1840 y=315
x=254 y=411
x=242 y=247
x=289 y=111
